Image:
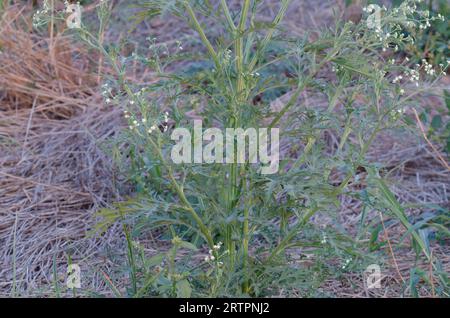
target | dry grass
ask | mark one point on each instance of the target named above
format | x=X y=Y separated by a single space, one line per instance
x=54 y=174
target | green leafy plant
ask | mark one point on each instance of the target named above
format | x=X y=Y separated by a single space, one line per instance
x=433 y=42
x=262 y=220
x=439 y=130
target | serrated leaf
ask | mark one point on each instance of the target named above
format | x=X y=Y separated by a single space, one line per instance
x=184 y=289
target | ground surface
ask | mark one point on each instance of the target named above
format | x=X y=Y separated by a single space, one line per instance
x=54 y=173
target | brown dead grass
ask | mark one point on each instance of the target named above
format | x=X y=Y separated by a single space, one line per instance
x=53 y=174
x=41 y=71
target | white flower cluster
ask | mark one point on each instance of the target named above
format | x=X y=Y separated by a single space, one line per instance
x=391 y=34
x=107 y=93
x=397 y=79
x=39 y=15
x=347 y=262
x=429 y=69
x=409 y=8
x=336 y=68
x=166 y=121
x=135 y=122
x=396 y=114
x=179 y=45
x=413 y=75
x=371 y=8
x=406 y=15
x=211 y=256
x=154 y=127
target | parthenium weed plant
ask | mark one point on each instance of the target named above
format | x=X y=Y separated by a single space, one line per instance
x=262 y=220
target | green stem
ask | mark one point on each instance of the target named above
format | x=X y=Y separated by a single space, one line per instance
x=276 y=21
x=187 y=205
x=245 y=241
x=130 y=253
x=301 y=87
x=226 y=11
x=230 y=204
x=292 y=233
x=202 y=34
x=241 y=98
x=239 y=43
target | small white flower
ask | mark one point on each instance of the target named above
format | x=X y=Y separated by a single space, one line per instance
x=152 y=129
x=217 y=246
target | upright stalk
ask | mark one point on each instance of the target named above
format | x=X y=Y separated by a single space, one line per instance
x=239 y=43
x=246 y=238
x=202 y=34
x=227 y=13
x=240 y=101
x=276 y=21
x=187 y=205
